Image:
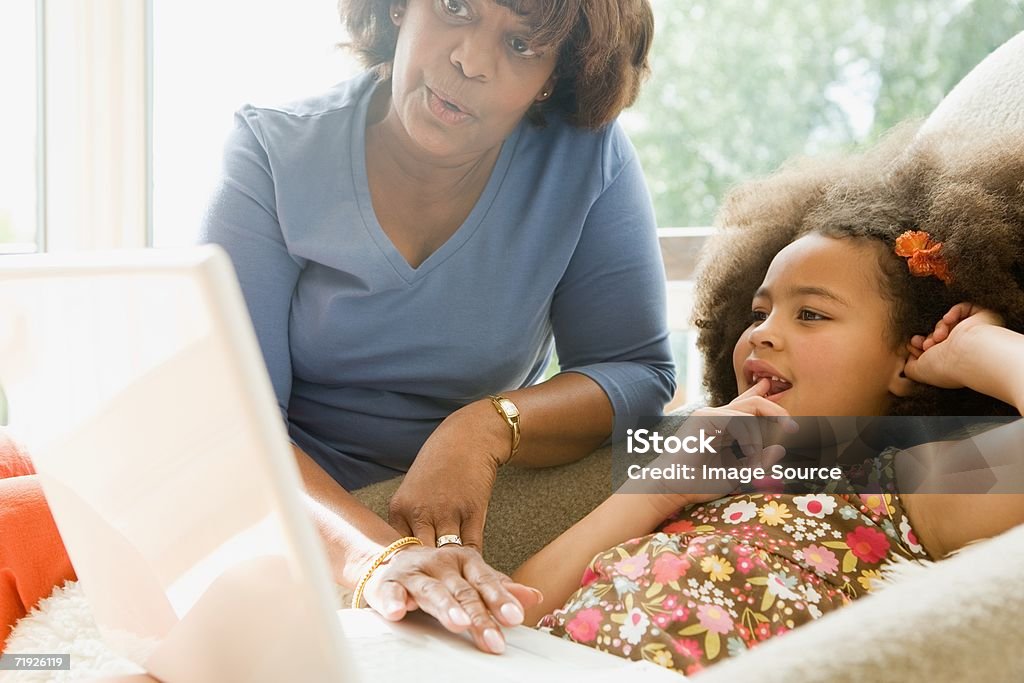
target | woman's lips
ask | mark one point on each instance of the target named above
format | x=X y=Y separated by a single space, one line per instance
x=446 y=111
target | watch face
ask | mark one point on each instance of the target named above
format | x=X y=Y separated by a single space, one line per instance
x=509 y=407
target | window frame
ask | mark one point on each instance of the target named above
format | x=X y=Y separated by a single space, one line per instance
x=94 y=124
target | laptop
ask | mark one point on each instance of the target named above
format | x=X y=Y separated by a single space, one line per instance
x=137 y=381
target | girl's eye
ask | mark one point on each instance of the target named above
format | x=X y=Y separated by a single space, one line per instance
x=521 y=47
x=456 y=8
x=808 y=316
x=758 y=316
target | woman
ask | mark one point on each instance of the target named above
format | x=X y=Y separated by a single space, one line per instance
x=410 y=242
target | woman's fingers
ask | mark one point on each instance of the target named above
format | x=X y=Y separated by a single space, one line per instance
x=399 y=524
x=456 y=587
x=429 y=529
x=425 y=532
x=471 y=531
x=448 y=601
x=528 y=596
x=495 y=589
x=394 y=600
x=480 y=594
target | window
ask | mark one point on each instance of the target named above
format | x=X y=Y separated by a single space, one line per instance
x=739 y=86
x=210 y=58
x=19 y=134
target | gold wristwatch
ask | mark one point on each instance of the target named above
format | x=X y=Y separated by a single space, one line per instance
x=507 y=409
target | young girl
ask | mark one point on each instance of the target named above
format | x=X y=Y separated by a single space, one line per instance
x=886 y=284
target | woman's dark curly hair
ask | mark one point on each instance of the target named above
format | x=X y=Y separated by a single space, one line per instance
x=602 y=50
x=966 y=192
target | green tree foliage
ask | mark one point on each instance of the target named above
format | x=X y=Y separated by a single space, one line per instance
x=739 y=86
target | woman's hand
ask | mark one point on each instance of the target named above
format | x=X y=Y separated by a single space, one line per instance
x=939 y=358
x=455 y=586
x=448 y=487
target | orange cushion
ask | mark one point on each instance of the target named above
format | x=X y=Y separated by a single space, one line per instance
x=32 y=557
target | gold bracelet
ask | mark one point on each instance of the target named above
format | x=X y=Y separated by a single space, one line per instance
x=384 y=556
x=510 y=413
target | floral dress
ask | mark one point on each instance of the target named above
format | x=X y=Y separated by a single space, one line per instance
x=721 y=577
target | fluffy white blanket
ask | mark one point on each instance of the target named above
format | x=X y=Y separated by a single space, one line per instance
x=63 y=623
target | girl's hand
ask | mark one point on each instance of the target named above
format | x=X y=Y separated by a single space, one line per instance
x=735 y=423
x=455 y=586
x=938 y=359
x=752 y=402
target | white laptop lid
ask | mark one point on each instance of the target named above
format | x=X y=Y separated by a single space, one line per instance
x=137 y=380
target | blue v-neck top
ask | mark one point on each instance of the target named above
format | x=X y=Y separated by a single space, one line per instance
x=366 y=354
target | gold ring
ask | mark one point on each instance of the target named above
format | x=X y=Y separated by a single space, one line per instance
x=448 y=539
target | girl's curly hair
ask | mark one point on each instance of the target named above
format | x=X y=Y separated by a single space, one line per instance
x=966 y=192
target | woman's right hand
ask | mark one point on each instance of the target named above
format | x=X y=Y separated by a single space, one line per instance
x=454 y=585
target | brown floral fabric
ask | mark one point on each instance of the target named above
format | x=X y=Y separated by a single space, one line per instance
x=722 y=577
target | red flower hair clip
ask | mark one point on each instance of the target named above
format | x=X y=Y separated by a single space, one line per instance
x=924 y=257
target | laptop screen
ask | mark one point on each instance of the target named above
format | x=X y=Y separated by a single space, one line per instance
x=136 y=379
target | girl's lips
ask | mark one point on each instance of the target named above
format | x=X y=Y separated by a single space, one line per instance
x=777 y=386
x=775 y=390
x=444 y=110
x=756 y=370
